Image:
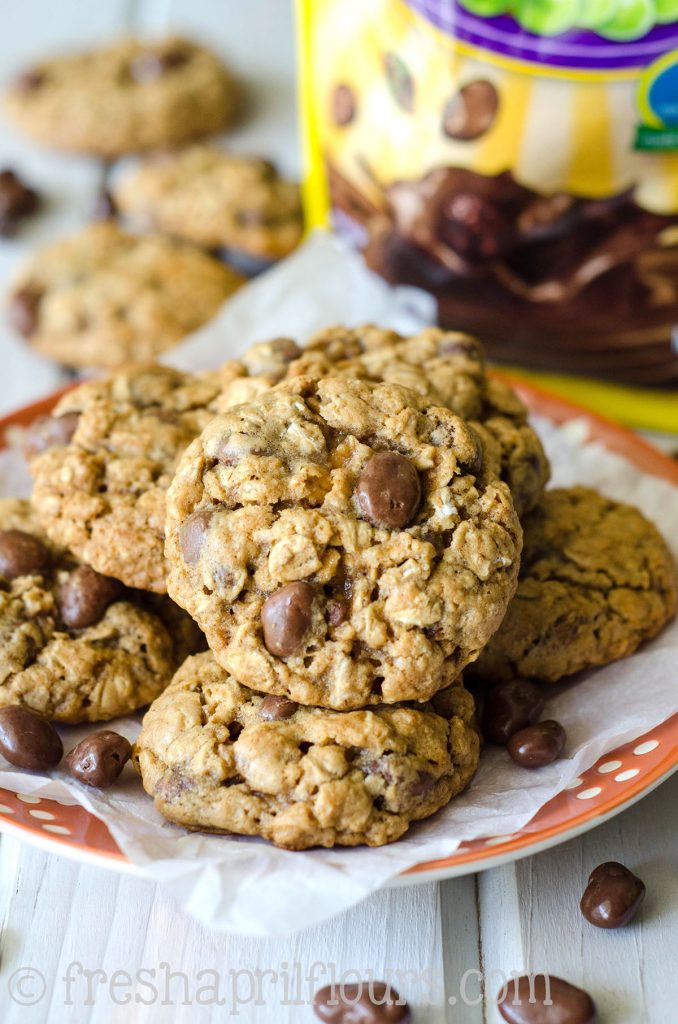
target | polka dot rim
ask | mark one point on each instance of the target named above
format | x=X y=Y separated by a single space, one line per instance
x=646 y=748
x=629 y=774
x=589 y=794
x=609 y=766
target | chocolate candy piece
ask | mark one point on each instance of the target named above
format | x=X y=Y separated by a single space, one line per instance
x=400 y=81
x=274 y=709
x=612 y=897
x=99 y=758
x=192 y=534
x=17 y=200
x=21 y=554
x=537 y=745
x=343 y=105
x=28 y=740
x=470 y=113
x=104 y=206
x=49 y=432
x=369 y=1002
x=545 y=1000
x=510 y=707
x=30 y=80
x=389 y=490
x=286 y=618
x=338 y=611
x=474 y=227
x=22 y=310
x=148 y=66
x=85 y=596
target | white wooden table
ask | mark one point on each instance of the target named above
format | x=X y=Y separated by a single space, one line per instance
x=440 y=944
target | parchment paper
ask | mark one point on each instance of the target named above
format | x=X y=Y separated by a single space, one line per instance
x=245 y=885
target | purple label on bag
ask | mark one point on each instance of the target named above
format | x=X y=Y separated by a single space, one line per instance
x=574 y=49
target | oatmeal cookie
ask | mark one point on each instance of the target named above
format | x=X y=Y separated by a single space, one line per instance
x=105 y=297
x=333 y=542
x=74 y=645
x=596 y=580
x=102 y=463
x=445 y=367
x=218 y=757
x=125 y=97
x=216 y=200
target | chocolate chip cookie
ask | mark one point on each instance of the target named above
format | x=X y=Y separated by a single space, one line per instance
x=596 y=580
x=216 y=200
x=445 y=367
x=74 y=645
x=335 y=545
x=218 y=757
x=103 y=461
x=126 y=97
x=104 y=297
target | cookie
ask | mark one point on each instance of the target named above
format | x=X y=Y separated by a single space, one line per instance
x=445 y=367
x=102 y=463
x=216 y=200
x=123 y=98
x=104 y=297
x=74 y=645
x=596 y=580
x=218 y=757
x=332 y=542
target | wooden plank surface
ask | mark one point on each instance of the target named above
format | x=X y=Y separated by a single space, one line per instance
x=439 y=944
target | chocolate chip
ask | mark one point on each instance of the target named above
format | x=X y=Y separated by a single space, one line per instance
x=285 y=349
x=612 y=897
x=338 y=611
x=99 y=758
x=470 y=113
x=472 y=226
x=17 y=200
x=104 y=207
x=286 y=618
x=343 y=105
x=368 y=1002
x=389 y=490
x=510 y=707
x=22 y=311
x=192 y=534
x=28 y=740
x=537 y=745
x=400 y=81
x=474 y=465
x=85 y=596
x=453 y=345
x=148 y=66
x=49 y=432
x=21 y=554
x=422 y=785
x=540 y=999
x=30 y=80
x=274 y=709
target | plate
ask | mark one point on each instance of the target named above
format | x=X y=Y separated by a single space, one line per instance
x=615 y=782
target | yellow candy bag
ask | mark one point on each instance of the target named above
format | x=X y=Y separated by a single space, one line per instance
x=519 y=160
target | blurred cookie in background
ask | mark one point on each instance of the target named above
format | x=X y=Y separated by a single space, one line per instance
x=216 y=200
x=104 y=297
x=124 y=98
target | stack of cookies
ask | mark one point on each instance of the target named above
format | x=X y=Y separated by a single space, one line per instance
x=109 y=294
x=342 y=523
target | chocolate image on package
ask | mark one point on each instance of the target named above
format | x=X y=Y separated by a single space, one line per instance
x=515 y=192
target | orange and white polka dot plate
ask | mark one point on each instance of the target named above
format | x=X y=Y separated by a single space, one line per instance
x=615 y=782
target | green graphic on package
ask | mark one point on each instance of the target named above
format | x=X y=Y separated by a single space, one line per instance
x=619 y=20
